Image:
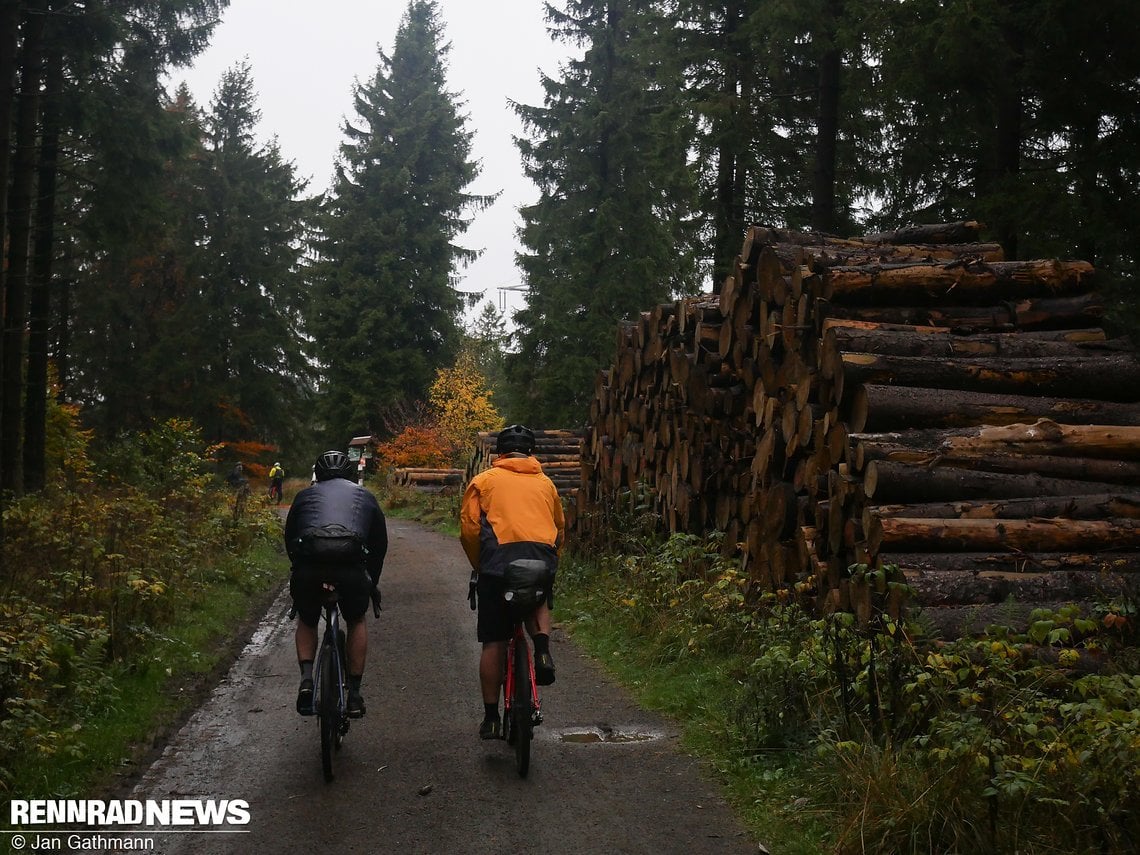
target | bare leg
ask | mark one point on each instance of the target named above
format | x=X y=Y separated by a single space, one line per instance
x=357 y=647
x=491 y=670
x=539 y=622
x=306 y=639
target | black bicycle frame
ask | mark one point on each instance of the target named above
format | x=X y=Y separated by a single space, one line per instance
x=332 y=636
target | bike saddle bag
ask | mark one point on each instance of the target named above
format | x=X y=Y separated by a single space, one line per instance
x=526 y=585
x=333 y=544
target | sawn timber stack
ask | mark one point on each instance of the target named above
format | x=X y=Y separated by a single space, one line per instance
x=558 y=451
x=908 y=398
x=427 y=479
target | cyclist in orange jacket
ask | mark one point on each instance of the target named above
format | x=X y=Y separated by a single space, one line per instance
x=509 y=511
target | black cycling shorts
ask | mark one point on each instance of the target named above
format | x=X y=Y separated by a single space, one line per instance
x=494 y=622
x=352 y=584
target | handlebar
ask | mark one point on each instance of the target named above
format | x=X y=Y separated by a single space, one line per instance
x=472 y=588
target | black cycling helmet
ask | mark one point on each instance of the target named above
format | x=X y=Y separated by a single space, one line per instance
x=333 y=464
x=515 y=438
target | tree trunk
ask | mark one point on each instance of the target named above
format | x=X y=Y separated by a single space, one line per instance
x=35 y=417
x=915 y=534
x=893 y=483
x=1036 y=313
x=1043 y=438
x=19 y=237
x=940 y=342
x=1112 y=377
x=899 y=284
x=728 y=220
x=876 y=407
x=961 y=232
x=1097 y=506
x=955 y=588
x=1016 y=562
x=823 y=212
x=9 y=43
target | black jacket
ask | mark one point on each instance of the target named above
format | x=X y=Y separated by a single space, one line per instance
x=338 y=502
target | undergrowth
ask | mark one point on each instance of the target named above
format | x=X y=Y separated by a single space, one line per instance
x=846 y=736
x=119 y=578
x=438 y=510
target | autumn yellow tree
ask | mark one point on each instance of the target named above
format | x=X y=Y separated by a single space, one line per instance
x=461 y=400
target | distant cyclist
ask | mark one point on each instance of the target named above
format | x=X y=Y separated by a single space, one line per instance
x=509 y=511
x=276 y=482
x=335 y=533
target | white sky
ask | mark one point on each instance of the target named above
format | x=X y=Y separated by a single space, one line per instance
x=305 y=56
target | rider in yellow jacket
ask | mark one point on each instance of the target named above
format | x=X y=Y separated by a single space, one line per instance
x=509 y=511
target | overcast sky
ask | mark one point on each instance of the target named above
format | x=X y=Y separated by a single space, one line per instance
x=305 y=57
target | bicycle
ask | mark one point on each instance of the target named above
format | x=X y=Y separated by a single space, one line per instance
x=241 y=499
x=330 y=677
x=275 y=492
x=521 y=704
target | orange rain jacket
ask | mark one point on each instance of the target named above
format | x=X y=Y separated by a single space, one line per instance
x=511 y=511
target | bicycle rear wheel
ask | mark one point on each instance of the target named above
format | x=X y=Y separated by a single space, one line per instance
x=327 y=710
x=521 y=708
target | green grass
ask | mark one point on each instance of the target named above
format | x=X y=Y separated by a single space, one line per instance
x=155 y=691
x=438 y=511
x=699 y=692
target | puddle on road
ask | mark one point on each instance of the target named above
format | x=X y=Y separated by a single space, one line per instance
x=608 y=735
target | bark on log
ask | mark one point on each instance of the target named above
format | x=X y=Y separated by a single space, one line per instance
x=1046 y=313
x=825 y=256
x=951 y=587
x=1111 y=377
x=1073 y=336
x=956 y=282
x=959 y=232
x=1016 y=562
x=1092 y=507
x=921 y=342
x=1042 y=438
x=876 y=407
x=910 y=534
x=896 y=483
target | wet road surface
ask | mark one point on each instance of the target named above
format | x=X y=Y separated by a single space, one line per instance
x=412 y=776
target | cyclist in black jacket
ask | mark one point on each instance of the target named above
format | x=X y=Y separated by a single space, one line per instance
x=335 y=532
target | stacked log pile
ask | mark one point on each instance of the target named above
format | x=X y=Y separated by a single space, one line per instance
x=908 y=398
x=558 y=451
x=428 y=480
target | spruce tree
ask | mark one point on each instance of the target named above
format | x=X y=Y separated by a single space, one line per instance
x=195 y=309
x=1020 y=114
x=612 y=232
x=253 y=365
x=385 y=310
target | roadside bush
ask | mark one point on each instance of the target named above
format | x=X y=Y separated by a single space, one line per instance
x=1006 y=755
x=1013 y=742
x=97 y=566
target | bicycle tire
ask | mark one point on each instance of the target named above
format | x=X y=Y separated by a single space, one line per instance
x=327 y=708
x=521 y=708
x=343 y=719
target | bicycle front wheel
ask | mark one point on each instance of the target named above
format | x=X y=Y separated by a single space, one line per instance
x=521 y=723
x=327 y=705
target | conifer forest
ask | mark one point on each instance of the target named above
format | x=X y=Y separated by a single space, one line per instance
x=162 y=262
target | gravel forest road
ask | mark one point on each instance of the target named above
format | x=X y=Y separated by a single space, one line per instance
x=413 y=777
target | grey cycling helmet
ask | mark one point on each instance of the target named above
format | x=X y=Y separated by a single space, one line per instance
x=333 y=464
x=515 y=438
